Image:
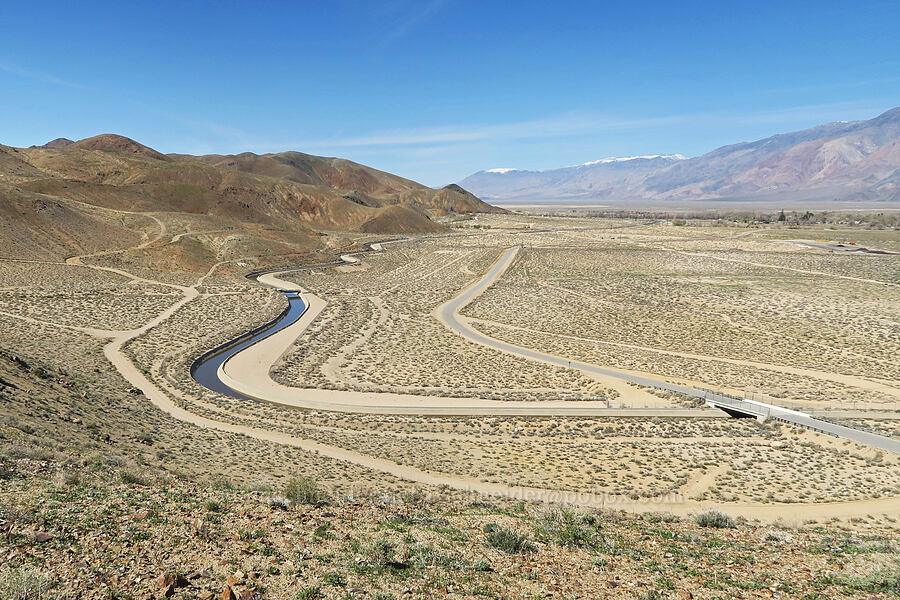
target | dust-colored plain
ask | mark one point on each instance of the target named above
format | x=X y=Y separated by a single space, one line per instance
x=749 y=311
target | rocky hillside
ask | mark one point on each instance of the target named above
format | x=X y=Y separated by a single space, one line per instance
x=65 y=198
x=90 y=531
x=364 y=185
x=849 y=161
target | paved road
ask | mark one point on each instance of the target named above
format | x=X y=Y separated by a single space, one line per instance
x=449 y=314
x=842 y=431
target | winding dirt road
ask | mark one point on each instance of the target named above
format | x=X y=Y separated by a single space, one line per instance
x=248 y=372
x=673 y=503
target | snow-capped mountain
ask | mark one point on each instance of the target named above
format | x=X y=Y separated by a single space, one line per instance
x=855 y=160
x=594 y=179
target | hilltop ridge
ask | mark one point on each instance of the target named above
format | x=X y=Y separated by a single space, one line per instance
x=280 y=202
x=57 y=143
x=110 y=142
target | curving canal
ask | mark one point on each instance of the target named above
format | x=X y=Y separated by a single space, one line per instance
x=205 y=369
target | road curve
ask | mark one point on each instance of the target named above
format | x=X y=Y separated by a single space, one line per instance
x=247 y=372
x=448 y=314
x=678 y=504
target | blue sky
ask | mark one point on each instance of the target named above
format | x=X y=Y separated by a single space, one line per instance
x=437 y=89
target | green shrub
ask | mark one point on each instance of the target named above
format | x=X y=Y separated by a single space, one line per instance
x=334 y=579
x=42 y=373
x=379 y=553
x=508 y=540
x=24 y=583
x=571 y=528
x=132 y=477
x=7 y=471
x=279 y=503
x=213 y=506
x=310 y=593
x=423 y=556
x=70 y=478
x=656 y=517
x=884 y=579
x=714 y=518
x=145 y=438
x=322 y=531
x=481 y=565
x=304 y=490
x=220 y=482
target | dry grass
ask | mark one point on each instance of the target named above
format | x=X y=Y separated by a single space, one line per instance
x=594 y=290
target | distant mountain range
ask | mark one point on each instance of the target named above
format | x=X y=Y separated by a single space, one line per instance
x=847 y=161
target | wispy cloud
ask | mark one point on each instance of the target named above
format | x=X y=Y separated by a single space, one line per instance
x=417 y=13
x=576 y=124
x=554 y=126
x=19 y=71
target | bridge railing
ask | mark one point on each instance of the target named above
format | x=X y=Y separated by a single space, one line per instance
x=735 y=402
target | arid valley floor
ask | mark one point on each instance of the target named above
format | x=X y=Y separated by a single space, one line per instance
x=118 y=468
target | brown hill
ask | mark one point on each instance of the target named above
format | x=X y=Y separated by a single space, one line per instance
x=57 y=143
x=14 y=166
x=40 y=227
x=400 y=219
x=364 y=184
x=111 y=142
x=452 y=198
x=281 y=201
